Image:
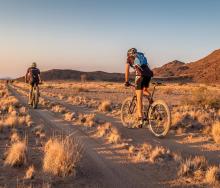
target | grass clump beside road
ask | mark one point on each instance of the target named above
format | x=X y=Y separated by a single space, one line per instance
x=61 y=156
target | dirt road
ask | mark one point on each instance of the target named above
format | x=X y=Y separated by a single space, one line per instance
x=101 y=166
x=106 y=166
x=139 y=136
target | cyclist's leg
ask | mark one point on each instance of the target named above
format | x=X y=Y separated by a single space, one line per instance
x=37 y=89
x=30 y=93
x=145 y=83
x=139 y=94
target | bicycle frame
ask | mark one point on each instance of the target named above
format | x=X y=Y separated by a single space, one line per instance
x=133 y=105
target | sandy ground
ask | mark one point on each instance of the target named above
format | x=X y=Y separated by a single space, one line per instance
x=111 y=165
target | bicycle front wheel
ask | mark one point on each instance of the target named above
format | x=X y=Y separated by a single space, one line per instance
x=128 y=112
x=159 y=118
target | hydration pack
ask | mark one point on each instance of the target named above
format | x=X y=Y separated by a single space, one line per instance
x=145 y=69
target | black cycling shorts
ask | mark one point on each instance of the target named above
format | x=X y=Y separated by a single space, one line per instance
x=34 y=84
x=141 y=82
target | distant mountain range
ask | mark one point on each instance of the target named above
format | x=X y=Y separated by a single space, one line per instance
x=58 y=74
x=205 y=70
x=5 y=78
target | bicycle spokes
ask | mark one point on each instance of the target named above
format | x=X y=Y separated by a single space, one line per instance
x=159 y=118
x=128 y=112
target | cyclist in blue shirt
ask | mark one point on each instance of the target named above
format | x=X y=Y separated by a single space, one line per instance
x=143 y=75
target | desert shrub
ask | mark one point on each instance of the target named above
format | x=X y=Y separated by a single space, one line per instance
x=110 y=133
x=30 y=173
x=90 y=120
x=16 y=155
x=212 y=175
x=11 y=120
x=144 y=152
x=61 y=156
x=103 y=129
x=202 y=96
x=159 y=154
x=15 y=137
x=105 y=106
x=61 y=97
x=58 y=109
x=216 y=132
x=114 y=136
x=78 y=100
x=131 y=149
x=189 y=166
x=69 y=116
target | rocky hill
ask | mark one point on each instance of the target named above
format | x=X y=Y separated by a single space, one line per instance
x=58 y=74
x=206 y=69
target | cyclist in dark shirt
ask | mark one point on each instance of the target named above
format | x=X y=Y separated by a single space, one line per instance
x=33 y=78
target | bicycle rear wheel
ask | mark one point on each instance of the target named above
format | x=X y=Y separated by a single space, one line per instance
x=128 y=112
x=159 y=118
x=35 y=99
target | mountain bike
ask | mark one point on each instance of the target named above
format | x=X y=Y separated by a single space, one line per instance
x=35 y=97
x=157 y=113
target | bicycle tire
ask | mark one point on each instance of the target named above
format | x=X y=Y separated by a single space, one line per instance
x=128 y=122
x=153 y=118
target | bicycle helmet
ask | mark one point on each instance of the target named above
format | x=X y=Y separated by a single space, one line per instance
x=34 y=65
x=132 y=52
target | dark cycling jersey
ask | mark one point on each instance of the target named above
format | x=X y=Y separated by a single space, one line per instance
x=33 y=75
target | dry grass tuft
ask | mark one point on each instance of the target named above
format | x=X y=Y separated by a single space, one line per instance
x=16 y=154
x=144 y=152
x=131 y=149
x=216 y=132
x=58 y=109
x=189 y=166
x=110 y=133
x=15 y=137
x=11 y=120
x=212 y=175
x=103 y=129
x=69 y=116
x=61 y=156
x=159 y=154
x=114 y=137
x=105 y=106
x=30 y=173
x=90 y=120
x=77 y=100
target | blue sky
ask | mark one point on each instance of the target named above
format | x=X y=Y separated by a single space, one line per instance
x=95 y=34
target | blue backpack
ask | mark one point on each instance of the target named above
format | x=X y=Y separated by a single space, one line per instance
x=142 y=58
x=144 y=65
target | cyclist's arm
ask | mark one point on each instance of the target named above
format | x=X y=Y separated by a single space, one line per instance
x=127 y=68
x=39 y=78
x=26 y=76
